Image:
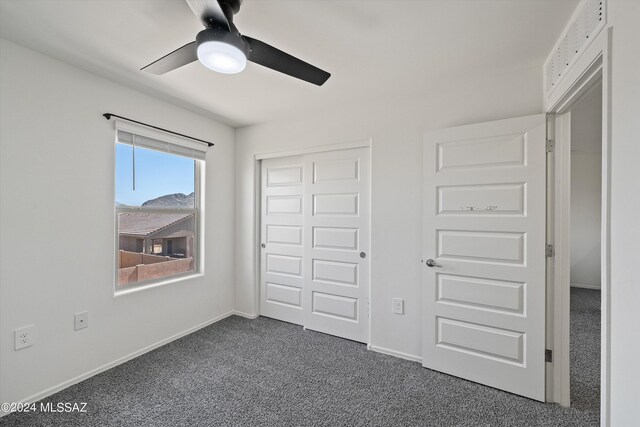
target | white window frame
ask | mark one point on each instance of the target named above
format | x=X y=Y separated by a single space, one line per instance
x=197 y=210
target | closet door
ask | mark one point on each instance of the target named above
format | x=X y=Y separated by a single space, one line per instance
x=282 y=220
x=315 y=242
x=336 y=243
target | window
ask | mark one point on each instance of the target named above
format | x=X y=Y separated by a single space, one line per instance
x=157 y=246
x=157 y=205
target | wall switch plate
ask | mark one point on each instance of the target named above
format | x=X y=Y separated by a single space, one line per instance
x=82 y=320
x=24 y=337
x=397 y=305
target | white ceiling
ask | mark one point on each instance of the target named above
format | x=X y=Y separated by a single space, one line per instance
x=374 y=49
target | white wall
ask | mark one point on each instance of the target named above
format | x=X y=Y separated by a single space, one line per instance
x=625 y=206
x=57 y=225
x=396 y=127
x=586 y=194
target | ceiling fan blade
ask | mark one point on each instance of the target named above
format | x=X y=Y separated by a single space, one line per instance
x=270 y=57
x=210 y=13
x=176 y=59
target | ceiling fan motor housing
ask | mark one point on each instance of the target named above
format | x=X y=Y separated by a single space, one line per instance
x=223 y=36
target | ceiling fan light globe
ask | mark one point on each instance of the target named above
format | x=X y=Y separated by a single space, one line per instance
x=221 y=57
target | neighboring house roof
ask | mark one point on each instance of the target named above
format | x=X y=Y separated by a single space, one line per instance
x=145 y=223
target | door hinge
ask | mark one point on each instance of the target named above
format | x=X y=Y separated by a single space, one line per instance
x=549 y=251
x=548 y=355
x=551 y=145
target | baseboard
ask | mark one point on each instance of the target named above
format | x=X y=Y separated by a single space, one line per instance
x=395 y=353
x=89 y=374
x=247 y=315
x=578 y=285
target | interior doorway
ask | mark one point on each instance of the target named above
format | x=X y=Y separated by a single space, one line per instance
x=591 y=74
x=579 y=211
x=585 y=207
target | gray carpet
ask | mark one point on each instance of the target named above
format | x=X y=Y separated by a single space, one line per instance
x=585 y=349
x=262 y=372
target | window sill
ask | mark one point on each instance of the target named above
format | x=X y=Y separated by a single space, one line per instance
x=155 y=284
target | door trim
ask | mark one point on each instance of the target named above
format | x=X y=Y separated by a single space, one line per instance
x=257 y=169
x=316 y=149
x=594 y=65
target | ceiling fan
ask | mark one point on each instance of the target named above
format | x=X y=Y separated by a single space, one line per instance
x=220 y=47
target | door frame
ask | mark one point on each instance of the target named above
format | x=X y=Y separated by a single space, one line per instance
x=257 y=228
x=592 y=67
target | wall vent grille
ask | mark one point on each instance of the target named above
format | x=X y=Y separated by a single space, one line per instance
x=585 y=24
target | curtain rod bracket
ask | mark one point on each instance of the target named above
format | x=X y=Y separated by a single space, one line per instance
x=109 y=115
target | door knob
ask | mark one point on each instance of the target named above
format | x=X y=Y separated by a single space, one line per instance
x=432 y=263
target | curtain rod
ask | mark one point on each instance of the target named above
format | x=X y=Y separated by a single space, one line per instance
x=109 y=115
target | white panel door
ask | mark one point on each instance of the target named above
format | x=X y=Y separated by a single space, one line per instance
x=484 y=229
x=336 y=235
x=281 y=264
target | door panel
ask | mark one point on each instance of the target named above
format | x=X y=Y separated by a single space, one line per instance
x=336 y=238
x=284 y=204
x=501 y=199
x=481 y=246
x=281 y=264
x=478 y=152
x=336 y=170
x=334 y=306
x=281 y=261
x=283 y=294
x=484 y=227
x=480 y=340
x=285 y=234
x=498 y=295
x=341 y=273
x=335 y=204
x=337 y=225
x=284 y=176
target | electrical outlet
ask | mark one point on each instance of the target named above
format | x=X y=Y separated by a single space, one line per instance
x=397 y=305
x=24 y=337
x=82 y=320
